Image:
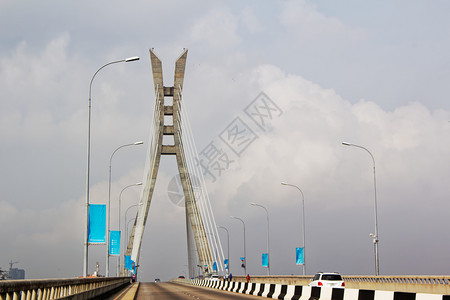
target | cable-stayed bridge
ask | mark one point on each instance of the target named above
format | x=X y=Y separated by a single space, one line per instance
x=171 y=135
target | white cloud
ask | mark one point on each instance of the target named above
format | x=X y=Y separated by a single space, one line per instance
x=303 y=18
x=250 y=21
x=43 y=132
x=304 y=148
x=216 y=29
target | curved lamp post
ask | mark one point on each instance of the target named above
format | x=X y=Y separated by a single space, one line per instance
x=267 y=213
x=228 y=247
x=88 y=163
x=108 y=217
x=303 y=217
x=373 y=235
x=126 y=224
x=245 y=251
x=120 y=196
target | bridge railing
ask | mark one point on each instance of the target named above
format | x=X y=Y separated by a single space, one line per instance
x=414 y=284
x=76 y=288
x=417 y=284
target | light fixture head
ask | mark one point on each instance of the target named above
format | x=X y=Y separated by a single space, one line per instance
x=346 y=144
x=131 y=58
x=139 y=143
x=139 y=183
x=284 y=183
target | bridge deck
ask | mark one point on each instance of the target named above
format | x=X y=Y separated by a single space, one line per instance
x=170 y=290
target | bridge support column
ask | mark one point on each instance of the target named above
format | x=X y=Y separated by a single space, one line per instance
x=162 y=128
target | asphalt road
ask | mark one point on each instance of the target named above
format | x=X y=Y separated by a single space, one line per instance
x=168 y=290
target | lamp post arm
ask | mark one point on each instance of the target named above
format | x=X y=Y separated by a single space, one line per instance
x=268 y=226
x=126 y=226
x=117 y=149
x=377 y=266
x=245 y=250
x=303 y=221
x=303 y=197
x=105 y=65
x=228 y=246
x=120 y=197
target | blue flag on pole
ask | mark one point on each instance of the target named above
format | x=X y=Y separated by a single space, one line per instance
x=97 y=224
x=114 y=242
x=214 y=266
x=225 y=262
x=265 y=260
x=128 y=265
x=299 y=256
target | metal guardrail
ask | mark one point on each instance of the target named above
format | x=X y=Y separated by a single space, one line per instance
x=283 y=291
x=46 y=289
x=412 y=283
x=400 y=279
x=416 y=284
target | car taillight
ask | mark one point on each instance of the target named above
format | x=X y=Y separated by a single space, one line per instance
x=319 y=283
x=343 y=284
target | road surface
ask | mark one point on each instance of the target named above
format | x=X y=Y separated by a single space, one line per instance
x=169 y=290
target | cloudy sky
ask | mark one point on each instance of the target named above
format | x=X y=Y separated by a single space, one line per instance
x=374 y=74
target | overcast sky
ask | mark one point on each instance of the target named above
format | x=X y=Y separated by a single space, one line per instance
x=375 y=74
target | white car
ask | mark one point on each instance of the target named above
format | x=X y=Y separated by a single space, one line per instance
x=214 y=278
x=328 y=279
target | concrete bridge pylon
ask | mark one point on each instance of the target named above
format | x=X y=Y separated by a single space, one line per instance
x=162 y=127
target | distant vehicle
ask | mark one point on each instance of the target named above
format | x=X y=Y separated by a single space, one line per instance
x=214 y=278
x=328 y=280
x=157 y=280
x=181 y=277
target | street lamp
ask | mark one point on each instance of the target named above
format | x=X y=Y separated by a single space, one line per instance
x=88 y=163
x=126 y=227
x=228 y=246
x=373 y=235
x=268 y=261
x=303 y=217
x=128 y=223
x=120 y=196
x=245 y=252
x=108 y=217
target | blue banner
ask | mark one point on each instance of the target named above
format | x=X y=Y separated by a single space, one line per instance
x=265 y=260
x=114 y=242
x=214 y=266
x=299 y=256
x=225 y=262
x=128 y=264
x=97 y=224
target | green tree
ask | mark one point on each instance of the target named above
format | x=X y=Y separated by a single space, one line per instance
x=3 y=275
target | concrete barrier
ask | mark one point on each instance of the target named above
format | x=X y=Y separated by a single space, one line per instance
x=73 y=288
x=401 y=283
x=298 y=292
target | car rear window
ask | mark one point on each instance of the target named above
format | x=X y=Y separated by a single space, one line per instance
x=331 y=277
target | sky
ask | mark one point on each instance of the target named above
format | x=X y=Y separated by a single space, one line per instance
x=374 y=74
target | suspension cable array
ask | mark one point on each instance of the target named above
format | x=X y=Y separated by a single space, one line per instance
x=204 y=247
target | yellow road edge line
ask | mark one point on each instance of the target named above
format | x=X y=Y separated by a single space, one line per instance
x=130 y=292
